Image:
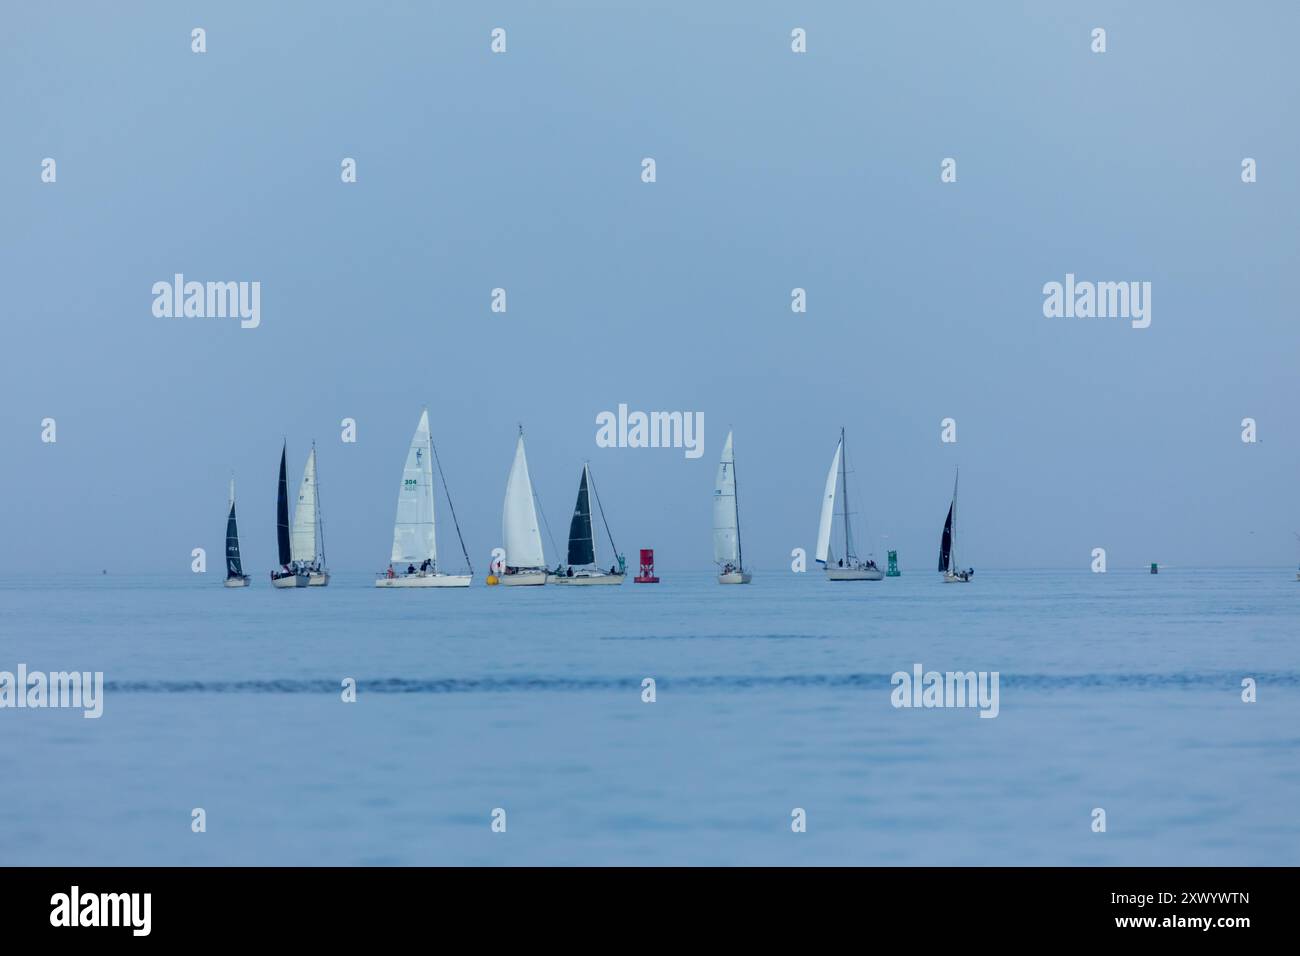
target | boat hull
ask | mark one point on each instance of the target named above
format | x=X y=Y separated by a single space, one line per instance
x=735 y=577
x=290 y=581
x=958 y=578
x=854 y=574
x=318 y=579
x=586 y=579
x=524 y=579
x=237 y=582
x=425 y=581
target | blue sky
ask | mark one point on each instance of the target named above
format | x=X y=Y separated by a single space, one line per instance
x=775 y=171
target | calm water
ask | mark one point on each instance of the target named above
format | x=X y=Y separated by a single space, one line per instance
x=1119 y=691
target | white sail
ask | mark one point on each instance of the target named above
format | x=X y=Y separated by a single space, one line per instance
x=414 y=534
x=302 y=540
x=828 y=507
x=726 y=523
x=520 y=536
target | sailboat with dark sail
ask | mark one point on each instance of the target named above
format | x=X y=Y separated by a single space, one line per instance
x=849 y=567
x=582 y=566
x=948 y=544
x=235 y=576
x=289 y=576
x=414 y=558
x=727 y=553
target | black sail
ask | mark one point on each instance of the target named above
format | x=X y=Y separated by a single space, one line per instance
x=945 y=546
x=282 y=514
x=233 y=568
x=582 y=550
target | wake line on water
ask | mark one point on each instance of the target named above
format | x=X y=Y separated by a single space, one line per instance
x=461 y=685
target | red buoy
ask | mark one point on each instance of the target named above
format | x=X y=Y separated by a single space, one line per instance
x=647 y=575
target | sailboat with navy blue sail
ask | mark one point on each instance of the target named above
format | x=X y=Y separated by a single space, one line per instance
x=952 y=573
x=289 y=575
x=583 y=568
x=235 y=576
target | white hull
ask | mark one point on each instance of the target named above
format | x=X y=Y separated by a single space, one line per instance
x=240 y=582
x=290 y=581
x=425 y=581
x=854 y=574
x=318 y=579
x=524 y=579
x=959 y=578
x=585 y=579
x=735 y=577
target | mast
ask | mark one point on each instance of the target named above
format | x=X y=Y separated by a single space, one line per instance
x=844 y=476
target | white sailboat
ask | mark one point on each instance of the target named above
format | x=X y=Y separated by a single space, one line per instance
x=727 y=552
x=289 y=575
x=235 y=576
x=524 y=564
x=414 y=558
x=848 y=567
x=583 y=567
x=307 y=538
x=948 y=544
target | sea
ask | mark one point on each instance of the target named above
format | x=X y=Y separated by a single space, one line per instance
x=515 y=726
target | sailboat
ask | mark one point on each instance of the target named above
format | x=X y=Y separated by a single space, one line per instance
x=727 y=553
x=308 y=535
x=849 y=567
x=948 y=544
x=524 y=564
x=287 y=577
x=414 y=562
x=235 y=576
x=583 y=567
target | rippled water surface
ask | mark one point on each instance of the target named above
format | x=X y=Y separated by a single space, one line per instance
x=1120 y=691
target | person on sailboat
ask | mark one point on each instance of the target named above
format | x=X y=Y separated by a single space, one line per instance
x=569 y=573
x=391 y=573
x=410 y=569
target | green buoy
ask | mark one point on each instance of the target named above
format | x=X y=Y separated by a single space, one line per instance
x=893 y=565
x=1155 y=568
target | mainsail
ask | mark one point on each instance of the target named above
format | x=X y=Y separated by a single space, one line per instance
x=945 y=544
x=414 y=534
x=828 y=506
x=282 y=514
x=948 y=560
x=233 y=567
x=726 y=518
x=582 y=547
x=304 y=514
x=520 y=536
